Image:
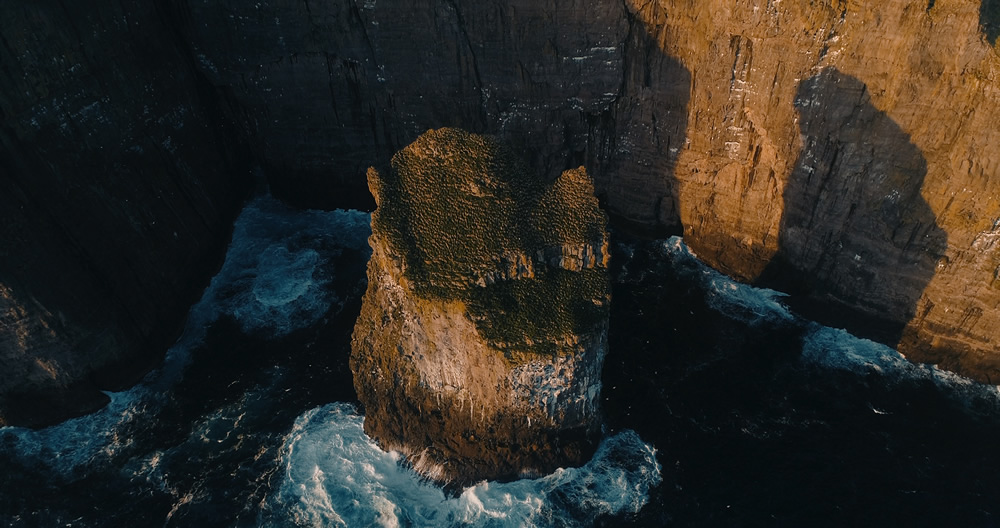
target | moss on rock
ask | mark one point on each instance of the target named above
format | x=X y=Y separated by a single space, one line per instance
x=453 y=203
x=483 y=330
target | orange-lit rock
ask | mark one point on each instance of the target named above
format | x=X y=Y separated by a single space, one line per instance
x=482 y=379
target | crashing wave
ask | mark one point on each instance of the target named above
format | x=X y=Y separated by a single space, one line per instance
x=272 y=281
x=740 y=301
x=334 y=475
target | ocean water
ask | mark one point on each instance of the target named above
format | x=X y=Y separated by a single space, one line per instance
x=763 y=418
x=722 y=408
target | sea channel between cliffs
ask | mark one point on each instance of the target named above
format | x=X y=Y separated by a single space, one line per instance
x=741 y=412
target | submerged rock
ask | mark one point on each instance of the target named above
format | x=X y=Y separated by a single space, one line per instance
x=480 y=343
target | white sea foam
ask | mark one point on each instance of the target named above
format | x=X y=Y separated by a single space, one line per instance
x=73 y=444
x=284 y=293
x=743 y=302
x=274 y=280
x=271 y=281
x=824 y=346
x=336 y=476
x=839 y=349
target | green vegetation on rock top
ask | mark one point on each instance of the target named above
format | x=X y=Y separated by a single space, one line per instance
x=453 y=203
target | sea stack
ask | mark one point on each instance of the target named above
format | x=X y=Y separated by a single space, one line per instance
x=479 y=347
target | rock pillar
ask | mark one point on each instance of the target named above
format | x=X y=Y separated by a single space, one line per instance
x=480 y=343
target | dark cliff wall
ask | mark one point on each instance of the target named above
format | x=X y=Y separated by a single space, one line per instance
x=335 y=87
x=749 y=125
x=118 y=185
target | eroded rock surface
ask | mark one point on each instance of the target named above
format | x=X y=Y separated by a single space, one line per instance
x=872 y=126
x=480 y=343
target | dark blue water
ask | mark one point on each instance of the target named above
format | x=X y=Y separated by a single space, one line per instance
x=764 y=419
x=722 y=409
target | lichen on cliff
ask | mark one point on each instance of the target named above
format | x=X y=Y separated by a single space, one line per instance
x=459 y=208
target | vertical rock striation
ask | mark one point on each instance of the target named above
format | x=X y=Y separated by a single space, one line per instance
x=856 y=146
x=480 y=343
x=857 y=240
x=333 y=86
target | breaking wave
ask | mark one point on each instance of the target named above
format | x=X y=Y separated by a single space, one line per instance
x=277 y=277
x=740 y=301
x=823 y=346
x=334 y=475
x=273 y=281
x=276 y=273
x=838 y=349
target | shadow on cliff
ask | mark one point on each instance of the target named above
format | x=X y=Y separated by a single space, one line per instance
x=637 y=157
x=989 y=20
x=857 y=242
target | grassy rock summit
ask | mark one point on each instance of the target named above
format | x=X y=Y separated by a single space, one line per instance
x=480 y=343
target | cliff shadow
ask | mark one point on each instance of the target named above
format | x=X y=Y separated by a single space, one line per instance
x=644 y=132
x=989 y=20
x=857 y=242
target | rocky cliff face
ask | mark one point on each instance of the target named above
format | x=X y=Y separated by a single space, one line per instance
x=479 y=347
x=849 y=150
x=120 y=181
x=843 y=151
